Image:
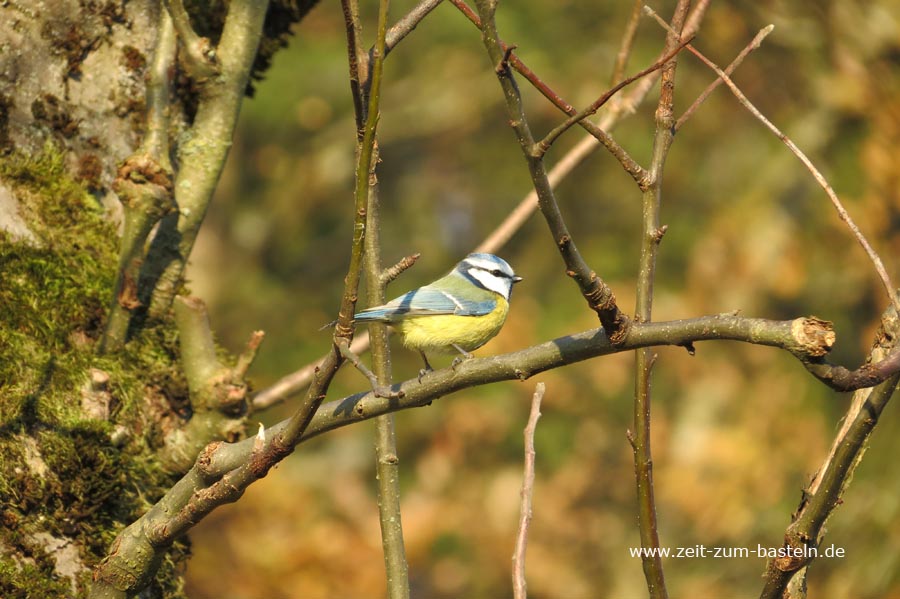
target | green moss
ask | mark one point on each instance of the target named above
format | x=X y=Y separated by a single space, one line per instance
x=24 y=580
x=61 y=474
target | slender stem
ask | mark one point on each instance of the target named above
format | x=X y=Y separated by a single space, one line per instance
x=354 y=58
x=627 y=42
x=651 y=234
x=525 y=512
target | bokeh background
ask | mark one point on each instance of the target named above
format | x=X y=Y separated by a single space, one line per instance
x=738 y=430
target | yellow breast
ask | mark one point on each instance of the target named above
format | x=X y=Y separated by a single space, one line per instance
x=439 y=333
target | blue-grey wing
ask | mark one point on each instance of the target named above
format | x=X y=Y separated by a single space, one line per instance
x=427 y=301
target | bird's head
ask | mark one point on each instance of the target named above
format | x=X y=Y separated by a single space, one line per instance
x=489 y=272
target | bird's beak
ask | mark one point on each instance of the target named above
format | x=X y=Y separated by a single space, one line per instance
x=516 y=279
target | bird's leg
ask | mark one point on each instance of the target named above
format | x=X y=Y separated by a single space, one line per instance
x=459 y=359
x=377 y=388
x=427 y=368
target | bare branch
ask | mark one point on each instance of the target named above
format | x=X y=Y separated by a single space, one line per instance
x=598 y=295
x=753 y=45
x=554 y=134
x=525 y=513
x=825 y=491
x=645 y=358
x=889 y=287
x=408 y=23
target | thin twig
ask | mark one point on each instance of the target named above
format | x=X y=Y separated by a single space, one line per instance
x=295 y=382
x=355 y=56
x=889 y=287
x=753 y=45
x=245 y=360
x=408 y=23
x=388 y=275
x=627 y=42
x=507 y=56
x=525 y=513
x=573 y=119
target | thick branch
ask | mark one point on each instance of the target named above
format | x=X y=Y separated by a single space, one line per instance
x=204 y=150
x=825 y=491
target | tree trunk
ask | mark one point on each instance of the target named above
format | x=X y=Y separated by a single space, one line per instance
x=86 y=437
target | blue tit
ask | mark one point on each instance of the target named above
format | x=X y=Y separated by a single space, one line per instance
x=460 y=311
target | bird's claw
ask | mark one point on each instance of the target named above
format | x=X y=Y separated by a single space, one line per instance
x=459 y=360
x=423 y=372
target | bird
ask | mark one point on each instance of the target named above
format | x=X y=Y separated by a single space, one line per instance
x=461 y=311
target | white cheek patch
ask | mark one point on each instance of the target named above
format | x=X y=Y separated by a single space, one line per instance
x=494 y=283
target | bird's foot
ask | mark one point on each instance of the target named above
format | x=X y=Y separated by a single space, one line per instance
x=425 y=371
x=460 y=359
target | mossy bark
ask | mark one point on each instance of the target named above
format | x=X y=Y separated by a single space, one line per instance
x=79 y=434
x=83 y=434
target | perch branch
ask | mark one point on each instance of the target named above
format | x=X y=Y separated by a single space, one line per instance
x=807 y=339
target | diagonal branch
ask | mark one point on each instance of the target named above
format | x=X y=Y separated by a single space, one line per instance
x=889 y=287
x=599 y=296
x=754 y=44
x=825 y=491
x=576 y=118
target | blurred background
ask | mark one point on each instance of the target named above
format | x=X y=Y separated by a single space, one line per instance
x=738 y=430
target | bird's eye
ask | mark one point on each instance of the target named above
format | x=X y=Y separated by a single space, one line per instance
x=496 y=272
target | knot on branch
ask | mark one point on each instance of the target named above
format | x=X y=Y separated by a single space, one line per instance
x=602 y=301
x=815 y=336
x=795 y=555
x=144 y=186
